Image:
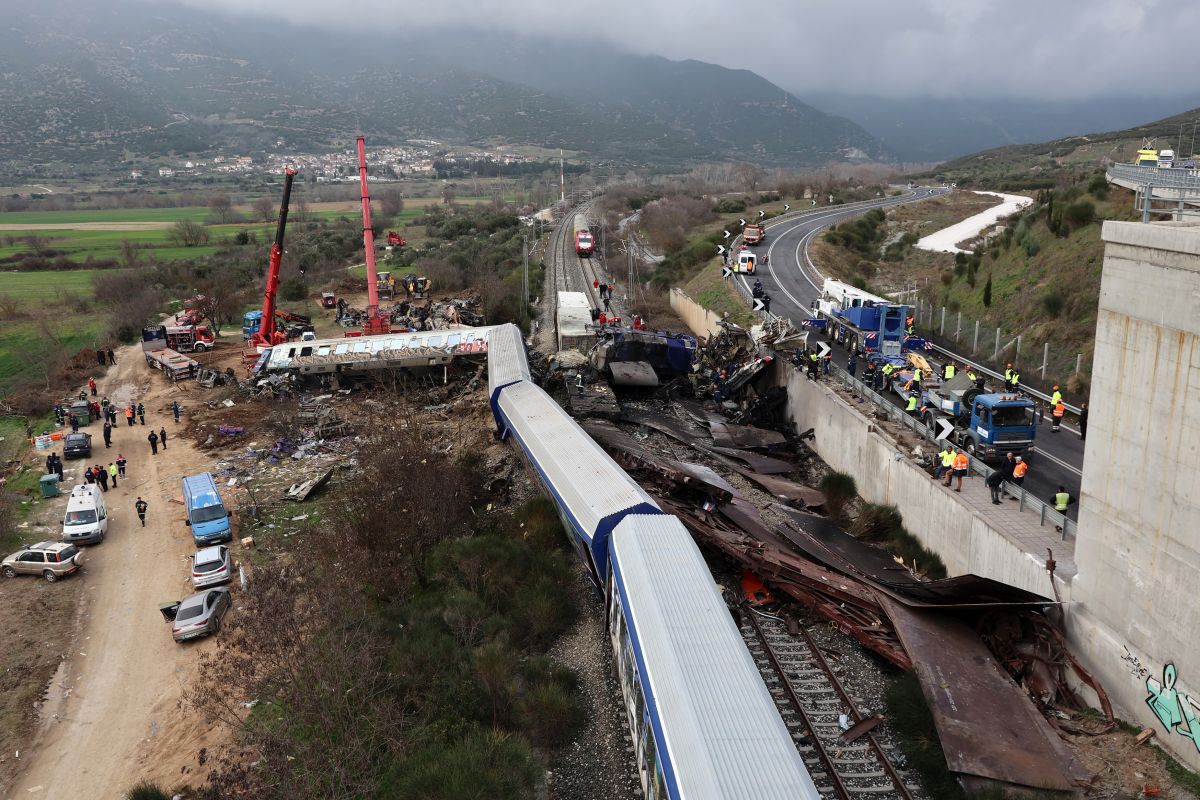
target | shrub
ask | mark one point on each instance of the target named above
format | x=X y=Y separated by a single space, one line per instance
x=1079 y=214
x=1053 y=302
x=145 y=790
x=294 y=289
x=730 y=205
x=1032 y=246
x=1098 y=187
x=839 y=489
x=550 y=714
x=987 y=292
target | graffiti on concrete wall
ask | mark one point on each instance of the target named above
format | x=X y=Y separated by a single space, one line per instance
x=1177 y=711
x=1136 y=668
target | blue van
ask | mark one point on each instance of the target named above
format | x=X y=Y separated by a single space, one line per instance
x=206 y=513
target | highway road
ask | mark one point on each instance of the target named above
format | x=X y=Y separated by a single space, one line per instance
x=794 y=281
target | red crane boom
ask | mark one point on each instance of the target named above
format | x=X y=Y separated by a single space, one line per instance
x=375 y=323
x=267 y=335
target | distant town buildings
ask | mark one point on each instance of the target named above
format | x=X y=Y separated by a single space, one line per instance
x=417 y=159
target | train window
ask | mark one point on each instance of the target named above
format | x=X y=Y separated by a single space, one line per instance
x=433 y=341
x=305 y=351
x=660 y=781
x=652 y=768
x=452 y=341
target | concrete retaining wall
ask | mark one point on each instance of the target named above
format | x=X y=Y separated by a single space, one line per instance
x=703 y=322
x=1137 y=609
x=850 y=442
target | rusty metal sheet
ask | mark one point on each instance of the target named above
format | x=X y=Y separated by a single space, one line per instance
x=784 y=489
x=726 y=435
x=819 y=538
x=632 y=454
x=987 y=726
x=764 y=465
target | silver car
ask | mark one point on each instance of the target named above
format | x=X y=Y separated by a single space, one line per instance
x=211 y=566
x=198 y=615
x=51 y=560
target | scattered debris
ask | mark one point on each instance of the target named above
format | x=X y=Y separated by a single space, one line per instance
x=300 y=491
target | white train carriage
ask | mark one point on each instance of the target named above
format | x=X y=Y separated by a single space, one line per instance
x=702 y=720
x=507 y=363
x=591 y=492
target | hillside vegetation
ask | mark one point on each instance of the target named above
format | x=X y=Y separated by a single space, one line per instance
x=1063 y=161
x=1038 y=276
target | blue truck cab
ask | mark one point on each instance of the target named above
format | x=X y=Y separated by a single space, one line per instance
x=206 y=513
x=251 y=322
x=999 y=424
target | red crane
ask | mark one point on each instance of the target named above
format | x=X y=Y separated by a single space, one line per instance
x=267 y=335
x=375 y=323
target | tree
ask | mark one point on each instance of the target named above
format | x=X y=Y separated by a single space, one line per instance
x=264 y=209
x=221 y=300
x=391 y=202
x=748 y=175
x=221 y=212
x=186 y=233
x=987 y=292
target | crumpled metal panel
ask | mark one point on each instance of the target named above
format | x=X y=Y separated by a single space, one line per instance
x=987 y=726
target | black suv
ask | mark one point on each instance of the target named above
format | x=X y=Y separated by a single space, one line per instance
x=77 y=445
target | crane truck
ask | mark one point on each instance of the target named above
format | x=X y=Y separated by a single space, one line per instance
x=988 y=425
x=375 y=323
x=266 y=334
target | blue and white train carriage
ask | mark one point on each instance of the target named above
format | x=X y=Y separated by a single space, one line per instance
x=702 y=721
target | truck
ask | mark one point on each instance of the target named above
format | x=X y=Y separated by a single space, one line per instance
x=863 y=321
x=293 y=324
x=754 y=233
x=1146 y=157
x=182 y=338
x=162 y=357
x=987 y=425
x=1166 y=158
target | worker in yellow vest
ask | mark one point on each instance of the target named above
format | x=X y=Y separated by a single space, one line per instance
x=911 y=407
x=916 y=380
x=1062 y=500
x=946 y=462
x=949 y=371
x=1059 y=411
x=961 y=464
x=1056 y=398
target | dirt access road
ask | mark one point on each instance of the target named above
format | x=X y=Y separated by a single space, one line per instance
x=112 y=713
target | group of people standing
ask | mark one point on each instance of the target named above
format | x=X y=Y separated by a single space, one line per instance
x=102 y=475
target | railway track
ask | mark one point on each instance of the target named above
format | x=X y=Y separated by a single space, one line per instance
x=812 y=702
x=570 y=272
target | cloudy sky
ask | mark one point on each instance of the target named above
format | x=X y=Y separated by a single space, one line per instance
x=899 y=48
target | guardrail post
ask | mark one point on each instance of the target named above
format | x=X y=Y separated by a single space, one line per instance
x=1147 y=192
x=1042 y=519
x=1018 y=358
x=1078 y=363
x=975 y=341
x=1045 y=358
x=942 y=332
x=996 y=351
x=958 y=328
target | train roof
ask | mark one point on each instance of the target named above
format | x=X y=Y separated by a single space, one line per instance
x=714 y=719
x=593 y=490
x=506 y=358
x=398 y=347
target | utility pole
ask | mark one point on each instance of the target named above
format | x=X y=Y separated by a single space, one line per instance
x=562 y=177
x=525 y=278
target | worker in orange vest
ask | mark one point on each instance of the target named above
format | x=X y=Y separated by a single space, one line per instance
x=1059 y=411
x=961 y=465
x=1019 y=470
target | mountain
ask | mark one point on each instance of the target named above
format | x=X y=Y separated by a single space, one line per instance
x=86 y=82
x=936 y=129
x=1033 y=166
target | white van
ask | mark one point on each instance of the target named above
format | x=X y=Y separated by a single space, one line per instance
x=746 y=262
x=86 y=520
